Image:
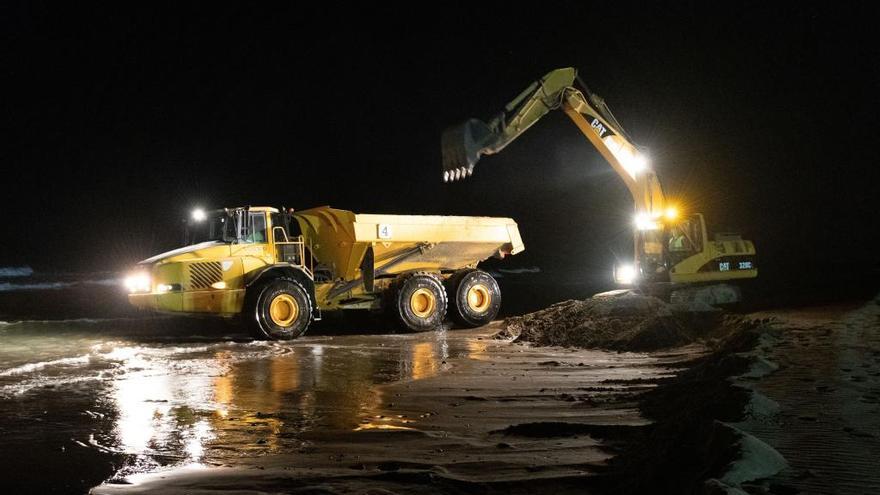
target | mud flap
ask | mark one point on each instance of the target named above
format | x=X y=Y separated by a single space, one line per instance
x=368 y=269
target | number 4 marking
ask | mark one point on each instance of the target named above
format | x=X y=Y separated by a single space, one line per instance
x=384 y=231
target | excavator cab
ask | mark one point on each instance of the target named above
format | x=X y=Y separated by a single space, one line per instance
x=662 y=246
x=685 y=238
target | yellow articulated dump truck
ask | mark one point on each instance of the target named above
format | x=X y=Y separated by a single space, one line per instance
x=278 y=269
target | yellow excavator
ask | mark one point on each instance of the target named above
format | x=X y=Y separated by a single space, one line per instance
x=674 y=255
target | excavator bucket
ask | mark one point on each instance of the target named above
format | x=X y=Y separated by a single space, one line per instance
x=462 y=146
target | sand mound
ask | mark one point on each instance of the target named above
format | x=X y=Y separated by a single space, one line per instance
x=617 y=321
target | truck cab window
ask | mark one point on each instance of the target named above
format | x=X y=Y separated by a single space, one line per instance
x=217 y=227
x=256 y=228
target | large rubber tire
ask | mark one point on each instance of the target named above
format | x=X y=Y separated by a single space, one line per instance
x=419 y=302
x=281 y=309
x=476 y=297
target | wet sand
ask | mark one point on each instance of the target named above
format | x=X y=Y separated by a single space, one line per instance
x=135 y=405
x=818 y=399
x=125 y=403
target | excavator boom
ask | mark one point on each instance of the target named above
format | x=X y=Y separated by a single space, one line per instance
x=464 y=144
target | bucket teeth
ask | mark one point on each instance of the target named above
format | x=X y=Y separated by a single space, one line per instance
x=461 y=147
x=458 y=173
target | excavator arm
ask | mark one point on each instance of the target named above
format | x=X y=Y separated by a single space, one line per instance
x=464 y=144
x=667 y=249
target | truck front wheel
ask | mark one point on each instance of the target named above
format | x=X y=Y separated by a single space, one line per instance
x=281 y=310
x=476 y=297
x=420 y=302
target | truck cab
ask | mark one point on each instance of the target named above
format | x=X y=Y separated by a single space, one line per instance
x=227 y=251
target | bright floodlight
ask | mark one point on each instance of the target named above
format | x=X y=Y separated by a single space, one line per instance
x=632 y=161
x=671 y=213
x=639 y=163
x=199 y=214
x=625 y=274
x=138 y=282
x=645 y=221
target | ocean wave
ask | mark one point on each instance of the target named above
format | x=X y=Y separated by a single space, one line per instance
x=31 y=367
x=8 y=286
x=69 y=321
x=25 y=386
x=103 y=281
x=16 y=271
x=533 y=269
x=54 y=285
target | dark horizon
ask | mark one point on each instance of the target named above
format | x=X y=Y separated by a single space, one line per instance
x=120 y=121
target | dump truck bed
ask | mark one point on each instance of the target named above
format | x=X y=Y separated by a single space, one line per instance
x=341 y=239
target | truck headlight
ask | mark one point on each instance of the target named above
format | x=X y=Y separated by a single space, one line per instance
x=625 y=274
x=138 y=282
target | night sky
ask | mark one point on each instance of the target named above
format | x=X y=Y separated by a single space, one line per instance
x=118 y=122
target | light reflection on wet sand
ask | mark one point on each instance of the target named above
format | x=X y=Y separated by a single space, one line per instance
x=148 y=405
x=206 y=407
x=137 y=398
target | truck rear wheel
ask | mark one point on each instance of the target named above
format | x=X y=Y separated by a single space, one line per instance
x=281 y=310
x=476 y=297
x=419 y=302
